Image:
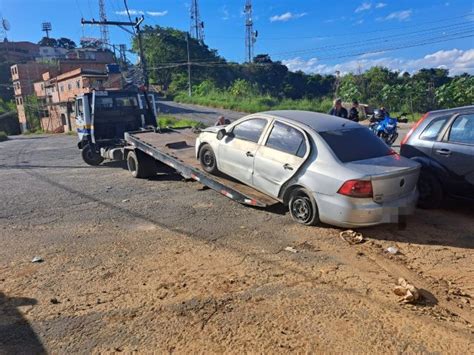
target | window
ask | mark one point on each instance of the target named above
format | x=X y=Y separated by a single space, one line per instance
x=78 y=84
x=126 y=102
x=250 y=130
x=80 y=109
x=462 y=130
x=287 y=139
x=61 y=88
x=354 y=144
x=431 y=131
x=20 y=99
x=104 y=102
x=69 y=86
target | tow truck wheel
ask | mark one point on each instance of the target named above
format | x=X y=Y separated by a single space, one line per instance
x=90 y=156
x=141 y=166
x=303 y=208
x=207 y=158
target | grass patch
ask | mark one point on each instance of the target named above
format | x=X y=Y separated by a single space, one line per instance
x=252 y=104
x=173 y=122
x=3 y=136
x=71 y=133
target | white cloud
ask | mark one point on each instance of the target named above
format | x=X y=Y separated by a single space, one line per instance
x=380 y=5
x=456 y=60
x=359 y=22
x=134 y=12
x=286 y=17
x=363 y=7
x=399 y=15
x=225 y=13
x=157 y=13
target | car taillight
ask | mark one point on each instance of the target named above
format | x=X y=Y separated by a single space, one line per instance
x=410 y=132
x=356 y=188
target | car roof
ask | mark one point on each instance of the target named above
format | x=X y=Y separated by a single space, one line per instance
x=450 y=110
x=319 y=122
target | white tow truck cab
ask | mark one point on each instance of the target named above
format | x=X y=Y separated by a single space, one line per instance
x=103 y=117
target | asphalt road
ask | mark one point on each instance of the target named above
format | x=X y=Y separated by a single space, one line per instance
x=166 y=265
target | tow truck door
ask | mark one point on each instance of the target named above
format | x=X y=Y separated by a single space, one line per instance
x=83 y=118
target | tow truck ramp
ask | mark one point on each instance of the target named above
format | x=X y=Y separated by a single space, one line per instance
x=176 y=148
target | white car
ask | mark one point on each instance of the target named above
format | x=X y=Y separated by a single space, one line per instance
x=327 y=169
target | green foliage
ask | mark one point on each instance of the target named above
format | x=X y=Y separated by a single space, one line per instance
x=62 y=42
x=32 y=114
x=173 y=122
x=3 y=136
x=348 y=89
x=206 y=87
x=242 y=88
x=459 y=92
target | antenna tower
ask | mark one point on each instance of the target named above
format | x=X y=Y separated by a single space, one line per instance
x=197 y=26
x=250 y=34
x=104 y=31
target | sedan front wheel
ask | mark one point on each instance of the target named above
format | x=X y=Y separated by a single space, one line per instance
x=207 y=158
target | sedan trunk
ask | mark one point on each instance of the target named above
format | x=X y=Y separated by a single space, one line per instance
x=392 y=176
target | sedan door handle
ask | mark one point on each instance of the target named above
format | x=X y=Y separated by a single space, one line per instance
x=445 y=152
x=249 y=154
x=287 y=167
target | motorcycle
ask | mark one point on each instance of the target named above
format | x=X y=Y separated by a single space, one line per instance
x=384 y=127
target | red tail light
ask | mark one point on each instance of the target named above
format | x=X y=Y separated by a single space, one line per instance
x=414 y=128
x=356 y=188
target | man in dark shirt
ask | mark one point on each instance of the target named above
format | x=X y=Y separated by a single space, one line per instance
x=338 y=110
x=354 y=112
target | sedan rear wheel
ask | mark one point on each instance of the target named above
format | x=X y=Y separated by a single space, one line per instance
x=303 y=208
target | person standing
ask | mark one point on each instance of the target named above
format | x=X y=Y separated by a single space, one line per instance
x=338 y=110
x=354 y=111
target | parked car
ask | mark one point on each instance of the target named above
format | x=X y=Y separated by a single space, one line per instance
x=443 y=143
x=325 y=168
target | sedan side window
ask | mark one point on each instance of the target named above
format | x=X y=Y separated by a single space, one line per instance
x=287 y=139
x=462 y=130
x=250 y=130
x=431 y=131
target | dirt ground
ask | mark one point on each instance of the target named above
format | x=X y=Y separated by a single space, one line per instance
x=164 y=265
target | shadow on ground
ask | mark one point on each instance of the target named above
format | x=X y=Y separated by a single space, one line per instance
x=16 y=334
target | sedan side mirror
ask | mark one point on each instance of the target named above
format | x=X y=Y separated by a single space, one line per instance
x=221 y=134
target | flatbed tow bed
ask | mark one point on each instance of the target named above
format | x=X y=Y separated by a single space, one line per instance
x=176 y=148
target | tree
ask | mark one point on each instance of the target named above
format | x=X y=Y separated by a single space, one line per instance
x=459 y=92
x=348 y=90
x=66 y=43
x=48 y=42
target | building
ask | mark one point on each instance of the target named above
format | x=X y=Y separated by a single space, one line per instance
x=48 y=53
x=56 y=94
x=17 y=52
x=23 y=77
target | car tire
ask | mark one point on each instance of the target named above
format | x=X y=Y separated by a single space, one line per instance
x=141 y=166
x=303 y=208
x=90 y=156
x=207 y=158
x=430 y=190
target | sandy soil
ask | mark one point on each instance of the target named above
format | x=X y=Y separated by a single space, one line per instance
x=126 y=271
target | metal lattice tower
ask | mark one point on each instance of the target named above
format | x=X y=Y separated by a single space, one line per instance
x=197 y=26
x=250 y=34
x=104 y=31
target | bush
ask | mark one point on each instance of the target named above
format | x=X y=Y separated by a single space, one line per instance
x=173 y=122
x=3 y=136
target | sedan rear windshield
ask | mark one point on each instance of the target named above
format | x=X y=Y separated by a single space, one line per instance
x=354 y=144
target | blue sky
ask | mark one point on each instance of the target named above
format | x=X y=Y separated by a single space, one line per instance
x=314 y=36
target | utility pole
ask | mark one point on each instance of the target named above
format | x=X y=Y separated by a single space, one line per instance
x=104 y=31
x=197 y=26
x=123 y=25
x=250 y=34
x=189 y=66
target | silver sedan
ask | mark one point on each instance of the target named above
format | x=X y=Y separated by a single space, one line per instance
x=326 y=169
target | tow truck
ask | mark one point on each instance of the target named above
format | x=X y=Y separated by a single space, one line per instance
x=121 y=125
